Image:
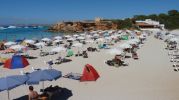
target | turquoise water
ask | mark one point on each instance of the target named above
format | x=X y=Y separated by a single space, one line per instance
x=12 y=34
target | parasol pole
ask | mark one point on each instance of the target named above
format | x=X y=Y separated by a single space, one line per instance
x=8 y=94
x=43 y=85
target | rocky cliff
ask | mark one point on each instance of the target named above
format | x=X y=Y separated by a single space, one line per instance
x=75 y=27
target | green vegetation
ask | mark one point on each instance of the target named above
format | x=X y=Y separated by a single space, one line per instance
x=170 y=19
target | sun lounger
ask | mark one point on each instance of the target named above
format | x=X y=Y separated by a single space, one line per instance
x=74 y=76
x=64 y=60
x=44 y=53
x=52 y=53
x=92 y=49
x=79 y=54
x=29 y=57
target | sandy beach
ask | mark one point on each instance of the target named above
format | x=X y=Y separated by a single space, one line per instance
x=149 y=78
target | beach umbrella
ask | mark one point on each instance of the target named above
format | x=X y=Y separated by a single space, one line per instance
x=125 y=46
x=70 y=39
x=46 y=39
x=18 y=47
x=58 y=49
x=116 y=36
x=132 y=42
x=100 y=39
x=9 y=43
x=43 y=75
x=88 y=36
x=115 y=51
x=169 y=36
x=142 y=37
x=40 y=44
x=96 y=35
x=106 y=34
x=89 y=41
x=82 y=34
x=58 y=37
x=10 y=82
x=80 y=38
x=135 y=40
x=108 y=38
x=29 y=41
x=77 y=45
x=174 y=40
x=17 y=61
x=67 y=36
x=56 y=41
x=75 y=35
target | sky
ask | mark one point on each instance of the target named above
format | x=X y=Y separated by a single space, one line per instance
x=53 y=11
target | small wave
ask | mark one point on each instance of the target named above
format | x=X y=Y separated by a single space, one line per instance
x=11 y=27
x=2 y=28
x=26 y=27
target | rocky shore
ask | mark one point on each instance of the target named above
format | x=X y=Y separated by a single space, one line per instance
x=81 y=26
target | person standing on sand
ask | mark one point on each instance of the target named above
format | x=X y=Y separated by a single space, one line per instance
x=33 y=95
x=50 y=63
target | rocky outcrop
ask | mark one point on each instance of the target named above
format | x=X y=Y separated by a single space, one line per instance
x=74 y=27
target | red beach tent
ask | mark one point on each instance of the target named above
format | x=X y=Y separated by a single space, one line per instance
x=89 y=74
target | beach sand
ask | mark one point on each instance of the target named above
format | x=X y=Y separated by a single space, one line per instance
x=149 y=78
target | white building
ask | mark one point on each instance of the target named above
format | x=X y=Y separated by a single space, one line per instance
x=150 y=25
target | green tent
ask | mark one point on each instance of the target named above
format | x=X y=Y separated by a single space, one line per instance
x=69 y=53
x=124 y=37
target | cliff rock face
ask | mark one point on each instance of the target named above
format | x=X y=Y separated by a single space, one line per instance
x=82 y=26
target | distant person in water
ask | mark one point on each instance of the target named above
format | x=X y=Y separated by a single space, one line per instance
x=33 y=95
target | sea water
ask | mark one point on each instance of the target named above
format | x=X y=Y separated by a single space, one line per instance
x=16 y=33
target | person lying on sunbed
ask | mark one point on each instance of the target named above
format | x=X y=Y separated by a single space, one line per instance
x=117 y=60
